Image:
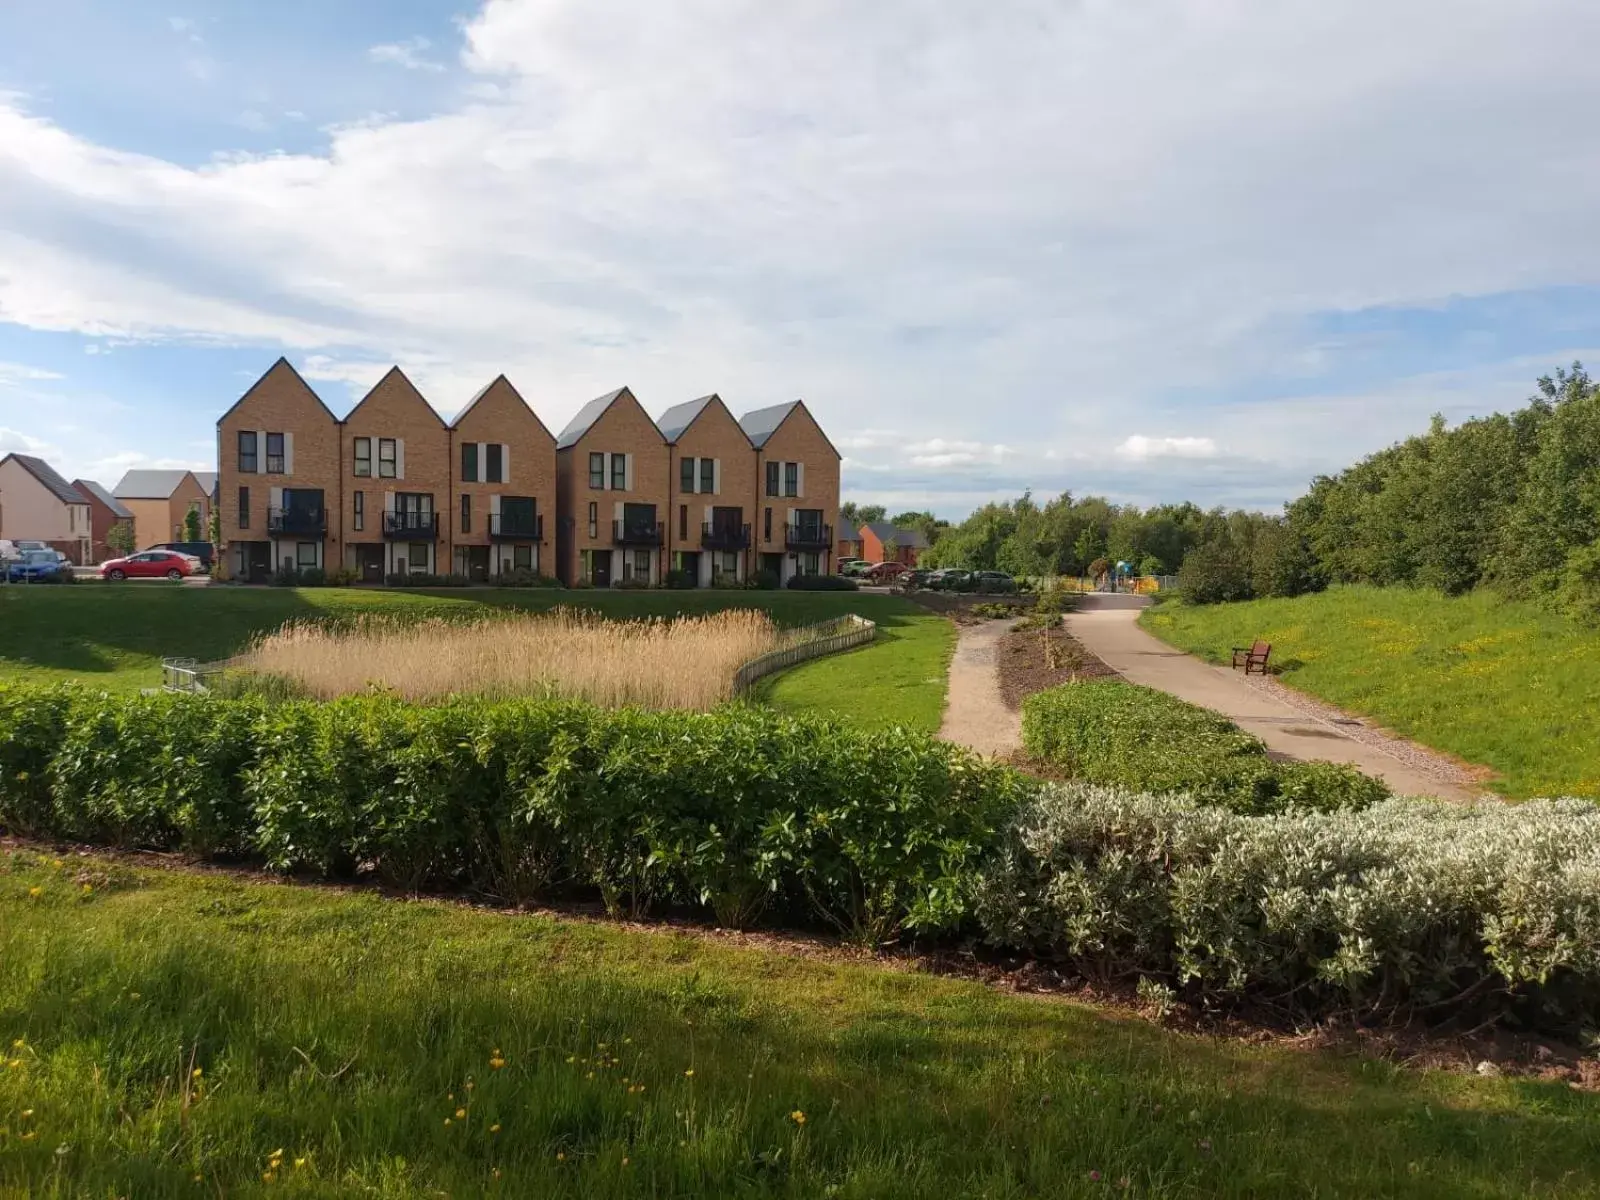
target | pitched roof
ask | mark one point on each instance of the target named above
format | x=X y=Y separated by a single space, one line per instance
x=50 y=477
x=149 y=485
x=679 y=417
x=408 y=386
x=586 y=416
x=763 y=423
x=282 y=364
x=455 y=422
x=207 y=480
x=911 y=539
x=118 y=509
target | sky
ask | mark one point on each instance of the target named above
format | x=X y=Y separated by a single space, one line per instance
x=1168 y=250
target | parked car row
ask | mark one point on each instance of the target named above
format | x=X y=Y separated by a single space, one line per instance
x=944 y=580
x=41 y=565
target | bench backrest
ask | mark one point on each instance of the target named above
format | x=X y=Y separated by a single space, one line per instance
x=1260 y=649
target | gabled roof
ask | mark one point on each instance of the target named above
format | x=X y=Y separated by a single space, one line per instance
x=149 y=485
x=405 y=379
x=911 y=539
x=587 y=416
x=118 y=509
x=207 y=480
x=283 y=364
x=484 y=391
x=761 y=424
x=49 y=477
x=679 y=417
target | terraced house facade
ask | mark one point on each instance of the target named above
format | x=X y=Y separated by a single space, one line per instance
x=392 y=490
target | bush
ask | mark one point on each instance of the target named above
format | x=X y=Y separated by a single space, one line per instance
x=1108 y=732
x=522 y=577
x=313 y=577
x=725 y=580
x=631 y=585
x=822 y=583
x=737 y=811
x=1409 y=908
x=425 y=579
x=1214 y=573
x=677 y=578
x=763 y=580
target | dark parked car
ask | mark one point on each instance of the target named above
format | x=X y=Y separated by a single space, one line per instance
x=204 y=551
x=993 y=581
x=950 y=580
x=37 y=566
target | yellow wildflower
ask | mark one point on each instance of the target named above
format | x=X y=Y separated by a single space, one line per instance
x=299 y=1162
x=87 y=889
x=689 y=1074
x=36 y=892
x=26 y=1113
x=561 y=1156
x=497 y=1062
x=447 y=1120
x=495 y=1128
x=798 y=1117
x=196 y=1073
x=18 y=1044
x=461 y=1114
x=267 y=1177
x=29 y=1136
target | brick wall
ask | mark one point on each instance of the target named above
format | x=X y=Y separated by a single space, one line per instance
x=394 y=409
x=716 y=435
x=501 y=416
x=798 y=439
x=624 y=428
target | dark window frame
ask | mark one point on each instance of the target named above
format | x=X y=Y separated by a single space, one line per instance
x=774 y=477
x=244 y=508
x=708 y=476
x=619 y=472
x=494 y=464
x=597 y=471
x=392 y=462
x=363 y=461
x=358 y=513
x=766 y=525
x=594 y=519
x=299 y=551
x=522 y=558
x=251 y=456
x=791 y=480
x=686 y=476
x=279 y=456
x=683 y=521
x=469 y=462
x=466 y=512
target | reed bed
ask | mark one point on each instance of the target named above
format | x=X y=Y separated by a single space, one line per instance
x=682 y=662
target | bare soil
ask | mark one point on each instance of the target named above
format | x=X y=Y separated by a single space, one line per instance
x=1032 y=660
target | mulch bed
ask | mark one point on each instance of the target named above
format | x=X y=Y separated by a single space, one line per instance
x=1032 y=660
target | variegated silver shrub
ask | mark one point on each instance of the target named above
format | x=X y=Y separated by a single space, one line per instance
x=1411 y=907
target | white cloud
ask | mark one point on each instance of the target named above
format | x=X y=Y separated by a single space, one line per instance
x=12 y=374
x=14 y=441
x=408 y=54
x=1139 y=447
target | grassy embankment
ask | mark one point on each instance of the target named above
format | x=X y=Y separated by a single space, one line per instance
x=166 y=1034
x=1506 y=685
x=115 y=637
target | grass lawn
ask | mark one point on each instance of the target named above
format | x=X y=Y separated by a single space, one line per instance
x=116 y=636
x=167 y=1034
x=1503 y=684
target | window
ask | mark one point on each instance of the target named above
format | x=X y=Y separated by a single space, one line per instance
x=811 y=563
x=469 y=462
x=729 y=562
x=305 y=554
x=495 y=465
x=683 y=521
x=274 y=454
x=791 y=479
x=417 y=556
x=766 y=526
x=358 y=515
x=244 y=508
x=466 y=513
x=386 y=458
x=247 y=453
x=636 y=565
x=594 y=519
x=772 y=479
x=597 y=471
x=619 y=472
x=522 y=558
x=686 y=476
x=363 y=447
x=586 y=566
x=708 y=475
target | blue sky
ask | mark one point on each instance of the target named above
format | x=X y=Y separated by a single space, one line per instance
x=1186 y=249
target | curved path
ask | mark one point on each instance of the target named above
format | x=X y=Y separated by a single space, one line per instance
x=1105 y=625
x=974 y=714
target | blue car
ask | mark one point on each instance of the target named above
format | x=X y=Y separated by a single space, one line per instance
x=36 y=566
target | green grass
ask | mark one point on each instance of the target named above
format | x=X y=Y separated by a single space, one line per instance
x=116 y=637
x=1503 y=684
x=343 y=1029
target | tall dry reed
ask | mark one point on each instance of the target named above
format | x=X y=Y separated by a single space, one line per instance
x=684 y=662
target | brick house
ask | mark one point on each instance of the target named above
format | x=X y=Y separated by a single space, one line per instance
x=504 y=485
x=711 y=479
x=160 y=500
x=105 y=511
x=797 y=476
x=883 y=542
x=611 y=494
x=395 y=473
x=277 y=479
x=37 y=504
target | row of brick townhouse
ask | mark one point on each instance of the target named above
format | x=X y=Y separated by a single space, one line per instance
x=393 y=489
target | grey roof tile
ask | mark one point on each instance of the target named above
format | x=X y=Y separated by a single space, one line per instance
x=50 y=477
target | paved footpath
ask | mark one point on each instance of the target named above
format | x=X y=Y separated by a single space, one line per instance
x=1105 y=625
x=974 y=714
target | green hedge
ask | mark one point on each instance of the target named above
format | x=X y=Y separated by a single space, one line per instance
x=742 y=811
x=1408 y=909
x=1109 y=732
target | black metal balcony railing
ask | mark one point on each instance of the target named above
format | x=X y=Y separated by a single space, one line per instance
x=808 y=537
x=636 y=533
x=298 y=521
x=724 y=537
x=504 y=527
x=411 y=526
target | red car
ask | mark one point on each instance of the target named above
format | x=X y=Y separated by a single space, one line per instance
x=150 y=564
x=886 y=572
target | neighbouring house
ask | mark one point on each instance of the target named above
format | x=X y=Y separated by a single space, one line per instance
x=883 y=542
x=160 y=500
x=105 y=511
x=505 y=485
x=38 y=504
x=711 y=480
x=797 y=475
x=396 y=475
x=611 y=494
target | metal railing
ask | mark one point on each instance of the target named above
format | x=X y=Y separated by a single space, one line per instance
x=808 y=537
x=297 y=520
x=422 y=525
x=630 y=533
x=516 y=528
x=189 y=675
x=717 y=536
x=828 y=637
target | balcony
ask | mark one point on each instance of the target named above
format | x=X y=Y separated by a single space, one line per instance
x=505 y=527
x=630 y=533
x=808 y=537
x=724 y=537
x=411 y=526
x=297 y=522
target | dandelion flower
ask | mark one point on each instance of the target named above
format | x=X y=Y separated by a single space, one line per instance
x=495 y=1128
x=798 y=1117
x=689 y=1074
x=36 y=892
x=461 y=1114
x=267 y=1177
x=87 y=889
x=199 y=1178
x=299 y=1162
x=469 y=1085
x=196 y=1073
x=26 y=1113
x=497 y=1062
x=572 y=1058
x=447 y=1120
x=29 y=1136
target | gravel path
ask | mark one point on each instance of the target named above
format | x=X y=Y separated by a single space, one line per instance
x=975 y=716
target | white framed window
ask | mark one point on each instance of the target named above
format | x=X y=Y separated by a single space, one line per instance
x=386 y=458
x=305 y=554
x=417 y=556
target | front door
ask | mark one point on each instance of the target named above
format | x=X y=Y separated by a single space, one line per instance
x=258 y=562
x=691 y=566
x=602 y=568
x=369 y=562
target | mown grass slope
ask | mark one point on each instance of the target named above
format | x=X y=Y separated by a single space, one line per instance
x=178 y=1035
x=1504 y=684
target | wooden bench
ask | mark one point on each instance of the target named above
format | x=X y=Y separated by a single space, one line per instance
x=1254 y=657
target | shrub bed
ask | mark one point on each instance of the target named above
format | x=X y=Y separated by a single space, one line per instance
x=1110 y=732
x=1408 y=908
x=742 y=811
